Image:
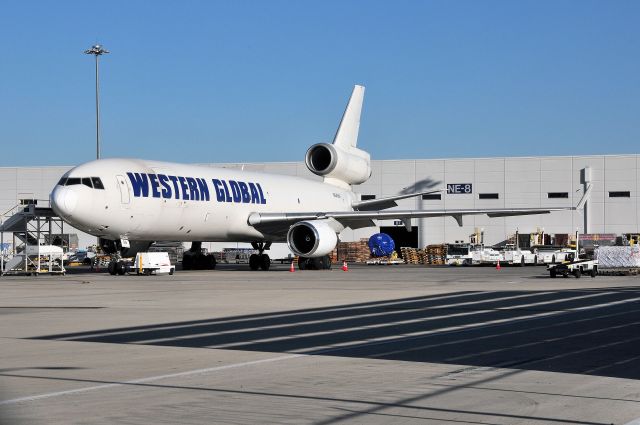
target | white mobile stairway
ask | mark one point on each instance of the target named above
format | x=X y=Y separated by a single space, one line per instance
x=33 y=229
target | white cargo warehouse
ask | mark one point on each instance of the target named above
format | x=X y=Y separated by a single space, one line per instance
x=474 y=183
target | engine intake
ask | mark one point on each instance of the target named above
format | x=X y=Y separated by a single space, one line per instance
x=350 y=165
x=311 y=238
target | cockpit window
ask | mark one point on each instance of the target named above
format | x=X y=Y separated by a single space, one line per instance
x=71 y=181
x=97 y=183
x=63 y=181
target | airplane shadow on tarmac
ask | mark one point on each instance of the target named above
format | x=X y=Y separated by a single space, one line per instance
x=593 y=332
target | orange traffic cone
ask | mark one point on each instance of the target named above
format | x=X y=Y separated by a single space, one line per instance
x=292 y=269
x=344 y=266
x=498 y=265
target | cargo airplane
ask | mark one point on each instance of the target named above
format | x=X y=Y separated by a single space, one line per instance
x=129 y=203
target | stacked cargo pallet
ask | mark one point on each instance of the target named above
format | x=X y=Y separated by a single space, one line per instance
x=410 y=255
x=435 y=254
x=351 y=252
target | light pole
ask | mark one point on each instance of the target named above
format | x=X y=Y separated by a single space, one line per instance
x=97 y=51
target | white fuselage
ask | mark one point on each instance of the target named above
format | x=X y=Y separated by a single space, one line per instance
x=149 y=200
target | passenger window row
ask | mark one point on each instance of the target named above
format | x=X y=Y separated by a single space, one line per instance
x=92 y=182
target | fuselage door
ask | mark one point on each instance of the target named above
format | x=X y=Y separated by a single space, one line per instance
x=125 y=196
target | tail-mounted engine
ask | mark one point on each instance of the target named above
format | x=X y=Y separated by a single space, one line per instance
x=346 y=164
x=312 y=239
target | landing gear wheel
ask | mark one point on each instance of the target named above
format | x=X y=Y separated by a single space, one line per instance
x=265 y=262
x=187 y=262
x=120 y=268
x=212 y=262
x=302 y=263
x=326 y=262
x=111 y=268
x=254 y=261
x=316 y=263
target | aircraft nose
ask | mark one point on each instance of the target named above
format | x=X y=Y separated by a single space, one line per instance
x=64 y=200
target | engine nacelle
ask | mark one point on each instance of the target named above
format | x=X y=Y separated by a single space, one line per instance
x=311 y=239
x=350 y=165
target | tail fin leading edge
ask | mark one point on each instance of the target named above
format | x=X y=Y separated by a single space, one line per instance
x=347 y=134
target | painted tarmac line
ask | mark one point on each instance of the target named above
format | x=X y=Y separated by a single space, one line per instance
x=148 y=379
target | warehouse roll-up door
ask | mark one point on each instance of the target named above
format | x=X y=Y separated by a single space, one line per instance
x=402 y=237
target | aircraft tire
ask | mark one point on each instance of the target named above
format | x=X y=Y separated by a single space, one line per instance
x=326 y=262
x=302 y=263
x=111 y=268
x=187 y=262
x=120 y=268
x=265 y=262
x=317 y=263
x=254 y=262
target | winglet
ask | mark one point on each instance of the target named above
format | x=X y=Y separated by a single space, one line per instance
x=585 y=198
x=347 y=134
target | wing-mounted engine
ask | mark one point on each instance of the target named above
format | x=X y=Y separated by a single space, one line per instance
x=312 y=239
x=347 y=164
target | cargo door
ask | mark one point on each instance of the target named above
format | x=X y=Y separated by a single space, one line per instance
x=125 y=195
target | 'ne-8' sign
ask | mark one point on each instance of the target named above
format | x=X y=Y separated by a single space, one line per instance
x=459 y=188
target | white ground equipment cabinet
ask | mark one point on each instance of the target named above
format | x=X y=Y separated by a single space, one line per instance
x=147 y=263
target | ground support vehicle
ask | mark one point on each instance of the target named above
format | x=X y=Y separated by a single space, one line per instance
x=516 y=256
x=483 y=255
x=147 y=263
x=552 y=256
x=459 y=254
x=577 y=268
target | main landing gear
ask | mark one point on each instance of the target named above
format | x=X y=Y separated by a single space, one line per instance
x=194 y=259
x=319 y=263
x=116 y=267
x=260 y=260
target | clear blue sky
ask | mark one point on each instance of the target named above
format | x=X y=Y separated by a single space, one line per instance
x=252 y=81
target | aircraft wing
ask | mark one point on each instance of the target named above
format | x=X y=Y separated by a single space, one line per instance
x=278 y=223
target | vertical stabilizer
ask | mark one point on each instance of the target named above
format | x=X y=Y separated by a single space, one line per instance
x=347 y=134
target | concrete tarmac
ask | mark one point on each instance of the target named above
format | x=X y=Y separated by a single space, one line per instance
x=375 y=345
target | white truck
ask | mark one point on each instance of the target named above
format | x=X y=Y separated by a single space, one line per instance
x=485 y=255
x=552 y=255
x=516 y=256
x=147 y=263
x=459 y=254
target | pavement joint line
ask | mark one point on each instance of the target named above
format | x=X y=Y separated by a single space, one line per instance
x=460 y=341
x=232 y=345
x=342 y=318
x=271 y=316
x=458 y=329
x=148 y=379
